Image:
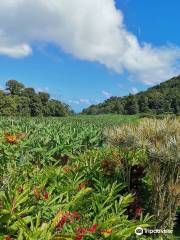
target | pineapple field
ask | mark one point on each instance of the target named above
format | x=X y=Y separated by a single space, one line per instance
x=89 y=177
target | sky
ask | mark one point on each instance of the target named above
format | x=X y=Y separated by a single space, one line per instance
x=85 y=51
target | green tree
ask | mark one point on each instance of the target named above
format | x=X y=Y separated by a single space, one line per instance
x=44 y=97
x=8 y=106
x=162 y=98
x=118 y=108
x=143 y=104
x=14 y=87
x=131 y=105
x=28 y=92
x=156 y=101
x=23 y=108
x=176 y=105
x=21 y=101
x=57 y=109
x=36 y=106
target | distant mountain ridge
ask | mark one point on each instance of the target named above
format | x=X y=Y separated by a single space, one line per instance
x=162 y=98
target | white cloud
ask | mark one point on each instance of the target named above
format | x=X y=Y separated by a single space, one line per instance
x=84 y=101
x=134 y=90
x=106 y=94
x=88 y=29
x=42 y=89
x=17 y=51
x=76 y=102
x=81 y=101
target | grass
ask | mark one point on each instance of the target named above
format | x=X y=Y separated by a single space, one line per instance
x=106 y=120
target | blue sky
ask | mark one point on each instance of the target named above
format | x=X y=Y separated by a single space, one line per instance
x=81 y=80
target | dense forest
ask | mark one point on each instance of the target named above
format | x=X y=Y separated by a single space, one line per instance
x=163 y=98
x=17 y=100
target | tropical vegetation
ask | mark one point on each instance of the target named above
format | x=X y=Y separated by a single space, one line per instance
x=160 y=99
x=78 y=178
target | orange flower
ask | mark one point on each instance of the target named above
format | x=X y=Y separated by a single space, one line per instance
x=106 y=232
x=10 y=138
x=36 y=193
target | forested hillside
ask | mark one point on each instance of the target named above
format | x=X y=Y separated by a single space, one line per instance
x=17 y=100
x=163 y=98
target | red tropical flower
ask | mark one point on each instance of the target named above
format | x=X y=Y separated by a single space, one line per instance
x=76 y=215
x=68 y=216
x=84 y=184
x=20 y=189
x=9 y=238
x=138 y=212
x=79 y=237
x=81 y=186
x=82 y=231
x=46 y=195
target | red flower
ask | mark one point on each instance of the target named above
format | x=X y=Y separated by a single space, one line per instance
x=93 y=228
x=76 y=215
x=20 y=189
x=9 y=238
x=84 y=184
x=81 y=186
x=80 y=237
x=138 y=212
x=67 y=216
x=63 y=220
x=46 y=195
x=82 y=231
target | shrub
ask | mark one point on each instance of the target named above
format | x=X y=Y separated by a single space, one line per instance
x=161 y=141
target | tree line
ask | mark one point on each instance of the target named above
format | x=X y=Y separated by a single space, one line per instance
x=160 y=99
x=17 y=100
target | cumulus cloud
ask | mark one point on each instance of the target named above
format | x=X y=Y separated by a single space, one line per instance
x=91 y=30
